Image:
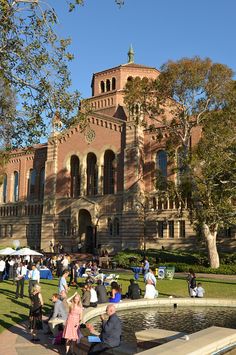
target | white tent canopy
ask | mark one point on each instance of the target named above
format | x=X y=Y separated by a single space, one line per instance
x=7 y=251
x=25 y=251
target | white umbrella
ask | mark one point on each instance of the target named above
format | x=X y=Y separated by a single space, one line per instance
x=25 y=251
x=7 y=251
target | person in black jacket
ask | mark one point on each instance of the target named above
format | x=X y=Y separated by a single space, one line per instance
x=111 y=332
x=101 y=292
x=133 y=290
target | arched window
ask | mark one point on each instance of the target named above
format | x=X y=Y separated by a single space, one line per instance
x=4 y=189
x=31 y=184
x=74 y=176
x=92 y=175
x=130 y=78
x=102 y=86
x=113 y=83
x=161 y=162
x=116 y=227
x=108 y=85
x=109 y=173
x=16 y=187
x=41 y=183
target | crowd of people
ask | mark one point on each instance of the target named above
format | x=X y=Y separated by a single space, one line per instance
x=64 y=321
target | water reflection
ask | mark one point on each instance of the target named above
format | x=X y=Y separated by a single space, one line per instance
x=186 y=319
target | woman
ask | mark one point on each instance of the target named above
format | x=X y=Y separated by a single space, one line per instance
x=115 y=293
x=35 y=316
x=150 y=291
x=72 y=326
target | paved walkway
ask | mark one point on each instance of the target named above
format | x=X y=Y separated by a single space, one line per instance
x=16 y=341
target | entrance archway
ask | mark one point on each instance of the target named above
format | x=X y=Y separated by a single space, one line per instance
x=86 y=231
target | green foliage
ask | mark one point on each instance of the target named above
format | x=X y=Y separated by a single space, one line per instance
x=34 y=67
x=180 y=259
x=129 y=259
x=214 y=166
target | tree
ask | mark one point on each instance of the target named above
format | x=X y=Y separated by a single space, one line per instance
x=188 y=95
x=34 y=76
x=213 y=167
x=34 y=65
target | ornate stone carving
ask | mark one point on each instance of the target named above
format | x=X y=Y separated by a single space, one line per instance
x=89 y=135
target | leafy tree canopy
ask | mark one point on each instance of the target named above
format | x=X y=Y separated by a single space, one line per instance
x=194 y=95
x=34 y=67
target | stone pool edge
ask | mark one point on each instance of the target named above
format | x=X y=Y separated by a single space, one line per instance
x=144 y=303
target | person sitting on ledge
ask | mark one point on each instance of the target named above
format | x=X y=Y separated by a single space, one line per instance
x=111 y=332
x=134 y=291
x=150 y=276
x=59 y=316
x=150 y=291
x=101 y=292
x=115 y=293
x=200 y=290
x=86 y=296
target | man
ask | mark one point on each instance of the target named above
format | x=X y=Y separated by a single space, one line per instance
x=20 y=280
x=2 y=268
x=73 y=274
x=62 y=282
x=34 y=278
x=63 y=298
x=110 y=334
x=145 y=266
x=133 y=290
x=101 y=292
x=59 y=314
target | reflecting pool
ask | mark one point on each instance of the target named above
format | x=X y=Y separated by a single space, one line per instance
x=182 y=319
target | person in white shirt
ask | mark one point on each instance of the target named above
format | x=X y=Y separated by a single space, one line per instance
x=200 y=290
x=20 y=280
x=34 y=278
x=93 y=297
x=2 y=268
x=150 y=291
x=65 y=263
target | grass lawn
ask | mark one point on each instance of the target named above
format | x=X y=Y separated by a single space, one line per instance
x=13 y=311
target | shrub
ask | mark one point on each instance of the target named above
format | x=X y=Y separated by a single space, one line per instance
x=181 y=260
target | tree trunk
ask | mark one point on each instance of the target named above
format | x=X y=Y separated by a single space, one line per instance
x=211 y=246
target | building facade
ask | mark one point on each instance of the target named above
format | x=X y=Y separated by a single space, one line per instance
x=95 y=186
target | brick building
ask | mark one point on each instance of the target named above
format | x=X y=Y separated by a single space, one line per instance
x=95 y=187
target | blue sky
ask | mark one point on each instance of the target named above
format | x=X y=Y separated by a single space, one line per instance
x=159 y=30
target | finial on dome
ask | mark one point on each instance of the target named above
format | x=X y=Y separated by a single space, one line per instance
x=131 y=54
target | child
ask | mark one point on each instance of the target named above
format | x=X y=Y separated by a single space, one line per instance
x=58 y=340
x=200 y=291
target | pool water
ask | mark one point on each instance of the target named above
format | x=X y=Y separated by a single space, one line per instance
x=182 y=319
